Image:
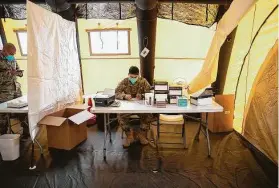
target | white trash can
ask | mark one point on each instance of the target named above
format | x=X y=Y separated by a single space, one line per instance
x=9 y=146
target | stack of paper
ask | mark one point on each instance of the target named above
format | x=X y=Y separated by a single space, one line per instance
x=17 y=104
x=205 y=98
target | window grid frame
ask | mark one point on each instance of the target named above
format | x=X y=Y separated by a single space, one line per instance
x=18 y=40
x=106 y=30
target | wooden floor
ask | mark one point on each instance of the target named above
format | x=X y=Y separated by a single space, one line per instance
x=231 y=164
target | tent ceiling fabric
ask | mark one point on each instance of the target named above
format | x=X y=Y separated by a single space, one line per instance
x=106 y=11
x=17 y=12
x=188 y=13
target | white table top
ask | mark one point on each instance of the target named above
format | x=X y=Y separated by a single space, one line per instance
x=4 y=109
x=139 y=107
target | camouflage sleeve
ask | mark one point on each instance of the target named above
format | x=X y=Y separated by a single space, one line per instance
x=146 y=86
x=119 y=91
x=18 y=70
x=4 y=70
x=3 y=66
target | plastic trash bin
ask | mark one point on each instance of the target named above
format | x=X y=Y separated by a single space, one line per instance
x=9 y=146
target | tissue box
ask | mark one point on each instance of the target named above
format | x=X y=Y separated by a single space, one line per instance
x=182 y=101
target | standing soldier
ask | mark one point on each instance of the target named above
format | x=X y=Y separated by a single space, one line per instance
x=133 y=87
x=9 y=87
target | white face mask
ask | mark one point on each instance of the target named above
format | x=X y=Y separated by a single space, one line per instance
x=133 y=80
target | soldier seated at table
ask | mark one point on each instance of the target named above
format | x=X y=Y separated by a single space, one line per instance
x=133 y=87
x=9 y=87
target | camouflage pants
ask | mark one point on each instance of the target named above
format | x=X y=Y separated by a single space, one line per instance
x=3 y=124
x=5 y=95
x=124 y=121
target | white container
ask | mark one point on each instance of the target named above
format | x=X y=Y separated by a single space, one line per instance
x=9 y=146
x=149 y=99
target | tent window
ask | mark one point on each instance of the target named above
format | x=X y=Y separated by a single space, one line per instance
x=109 y=42
x=22 y=41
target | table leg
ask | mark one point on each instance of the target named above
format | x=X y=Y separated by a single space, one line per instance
x=198 y=133
x=32 y=165
x=207 y=135
x=10 y=131
x=105 y=137
x=158 y=131
x=41 y=148
x=109 y=128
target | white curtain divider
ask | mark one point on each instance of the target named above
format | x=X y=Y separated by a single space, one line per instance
x=54 y=79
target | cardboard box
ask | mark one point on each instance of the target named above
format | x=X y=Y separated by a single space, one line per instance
x=222 y=121
x=66 y=128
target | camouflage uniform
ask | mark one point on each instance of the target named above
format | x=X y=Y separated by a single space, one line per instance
x=9 y=89
x=126 y=88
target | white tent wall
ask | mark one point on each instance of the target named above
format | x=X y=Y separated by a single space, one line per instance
x=180 y=48
x=54 y=79
x=264 y=41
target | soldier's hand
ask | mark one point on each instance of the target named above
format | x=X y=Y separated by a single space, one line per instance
x=9 y=73
x=13 y=72
x=139 y=96
x=128 y=97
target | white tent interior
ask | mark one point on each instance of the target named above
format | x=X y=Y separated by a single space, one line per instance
x=56 y=77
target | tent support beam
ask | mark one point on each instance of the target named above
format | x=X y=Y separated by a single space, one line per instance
x=146 y=13
x=2 y=33
x=79 y=56
x=223 y=63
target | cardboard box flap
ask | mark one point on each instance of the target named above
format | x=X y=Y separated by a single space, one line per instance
x=78 y=106
x=81 y=117
x=52 y=121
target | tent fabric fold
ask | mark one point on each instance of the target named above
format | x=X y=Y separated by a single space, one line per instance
x=261 y=117
x=255 y=115
x=226 y=25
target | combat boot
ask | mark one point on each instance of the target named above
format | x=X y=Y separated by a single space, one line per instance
x=142 y=138
x=129 y=139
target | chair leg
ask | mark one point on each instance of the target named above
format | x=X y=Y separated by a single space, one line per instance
x=183 y=130
x=184 y=136
x=122 y=134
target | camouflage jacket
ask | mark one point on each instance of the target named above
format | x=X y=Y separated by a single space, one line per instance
x=9 y=87
x=125 y=87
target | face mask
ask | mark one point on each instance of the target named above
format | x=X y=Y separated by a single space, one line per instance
x=10 y=58
x=133 y=80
